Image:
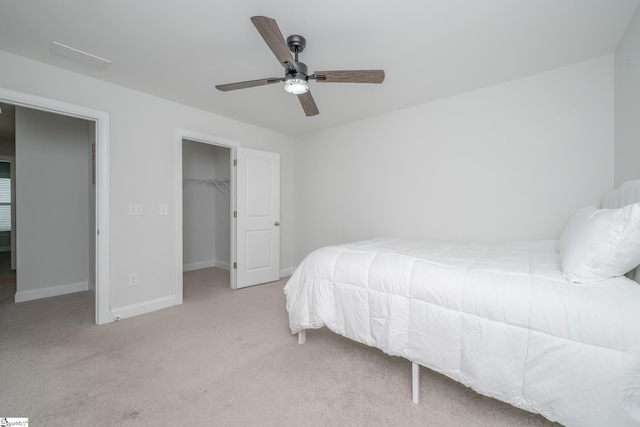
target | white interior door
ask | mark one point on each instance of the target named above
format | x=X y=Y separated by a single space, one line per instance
x=257 y=217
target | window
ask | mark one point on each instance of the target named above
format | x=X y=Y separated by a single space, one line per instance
x=5 y=196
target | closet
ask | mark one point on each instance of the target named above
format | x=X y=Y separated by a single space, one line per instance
x=206 y=205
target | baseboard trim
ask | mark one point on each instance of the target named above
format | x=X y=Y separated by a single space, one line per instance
x=143 y=307
x=222 y=265
x=226 y=266
x=199 y=265
x=287 y=271
x=51 y=291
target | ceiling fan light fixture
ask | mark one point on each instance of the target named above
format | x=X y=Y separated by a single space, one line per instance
x=296 y=86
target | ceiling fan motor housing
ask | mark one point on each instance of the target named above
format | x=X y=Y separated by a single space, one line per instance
x=297 y=70
x=296 y=43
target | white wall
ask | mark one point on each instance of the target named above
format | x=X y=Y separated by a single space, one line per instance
x=511 y=161
x=52 y=212
x=142 y=145
x=206 y=221
x=627 y=104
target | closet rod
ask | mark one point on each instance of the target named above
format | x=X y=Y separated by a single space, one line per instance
x=221 y=183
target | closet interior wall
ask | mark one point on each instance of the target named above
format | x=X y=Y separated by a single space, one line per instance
x=206 y=205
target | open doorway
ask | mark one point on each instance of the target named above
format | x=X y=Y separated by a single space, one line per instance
x=206 y=209
x=55 y=215
x=254 y=196
x=181 y=136
x=7 y=203
x=48 y=157
x=97 y=157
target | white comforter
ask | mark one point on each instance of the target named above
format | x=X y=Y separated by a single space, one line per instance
x=498 y=318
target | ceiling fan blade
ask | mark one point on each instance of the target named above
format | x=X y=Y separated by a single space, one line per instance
x=308 y=104
x=268 y=29
x=350 y=76
x=250 y=83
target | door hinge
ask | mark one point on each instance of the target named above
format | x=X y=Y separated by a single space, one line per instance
x=235 y=265
x=235 y=162
x=235 y=214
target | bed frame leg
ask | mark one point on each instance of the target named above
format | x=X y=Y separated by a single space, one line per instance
x=415 y=381
x=302 y=336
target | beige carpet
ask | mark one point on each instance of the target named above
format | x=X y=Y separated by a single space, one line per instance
x=223 y=358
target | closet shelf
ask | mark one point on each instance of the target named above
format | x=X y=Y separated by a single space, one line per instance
x=221 y=183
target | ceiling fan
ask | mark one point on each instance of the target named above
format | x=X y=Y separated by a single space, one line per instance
x=296 y=77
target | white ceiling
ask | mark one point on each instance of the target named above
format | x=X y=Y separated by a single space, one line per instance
x=429 y=49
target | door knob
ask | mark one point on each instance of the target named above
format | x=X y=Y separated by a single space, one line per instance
x=276 y=224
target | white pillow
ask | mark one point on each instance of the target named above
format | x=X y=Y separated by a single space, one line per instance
x=606 y=244
x=575 y=224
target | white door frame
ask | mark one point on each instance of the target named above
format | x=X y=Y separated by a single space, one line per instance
x=101 y=118
x=212 y=140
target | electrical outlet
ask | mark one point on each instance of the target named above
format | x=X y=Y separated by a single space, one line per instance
x=133 y=279
x=135 y=209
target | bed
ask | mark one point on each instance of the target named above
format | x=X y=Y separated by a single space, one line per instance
x=552 y=327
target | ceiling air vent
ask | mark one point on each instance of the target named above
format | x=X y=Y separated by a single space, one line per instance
x=79 y=56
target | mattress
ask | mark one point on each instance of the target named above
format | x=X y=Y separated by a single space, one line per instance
x=499 y=318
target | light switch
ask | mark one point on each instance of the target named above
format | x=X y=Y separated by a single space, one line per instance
x=164 y=210
x=133 y=279
x=135 y=209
